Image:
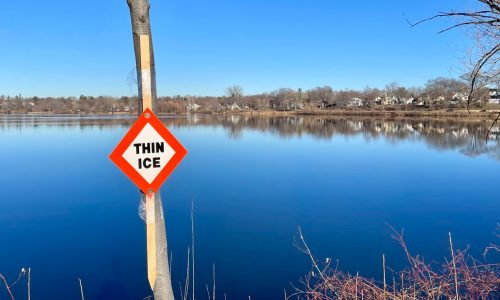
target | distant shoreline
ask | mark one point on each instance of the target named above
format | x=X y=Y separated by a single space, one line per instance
x=458 y=114
x=462 y=114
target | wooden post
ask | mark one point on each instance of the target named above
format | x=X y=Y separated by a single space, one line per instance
x=157 y=259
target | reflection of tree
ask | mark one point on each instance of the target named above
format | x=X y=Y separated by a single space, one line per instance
x=466 y=137
x=83 y=122
x=473 y=147
x=235 y=133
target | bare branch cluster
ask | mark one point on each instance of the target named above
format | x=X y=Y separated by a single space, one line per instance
x=461 y=277
x=8 y=286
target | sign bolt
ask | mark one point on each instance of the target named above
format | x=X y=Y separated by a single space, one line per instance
x=147 y=115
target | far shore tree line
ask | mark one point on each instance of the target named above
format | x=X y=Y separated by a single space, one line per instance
x=439 y=93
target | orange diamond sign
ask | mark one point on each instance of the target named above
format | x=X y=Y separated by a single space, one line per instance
x=148 y=153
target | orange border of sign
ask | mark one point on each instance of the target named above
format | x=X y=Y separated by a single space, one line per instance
x=117 y=154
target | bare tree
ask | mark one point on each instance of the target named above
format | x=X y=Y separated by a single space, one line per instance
x=234 y=93
x=444 y=87
x=484 y=25
x=321 y=95
x=283 y=98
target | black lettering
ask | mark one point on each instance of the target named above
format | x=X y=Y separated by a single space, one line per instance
x=137 y=148
x=146 y=148
x=140 y=163
x=160 y=147
x=147 y=163
x=156 y=162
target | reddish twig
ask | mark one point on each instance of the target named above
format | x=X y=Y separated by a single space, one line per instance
x=6 y=286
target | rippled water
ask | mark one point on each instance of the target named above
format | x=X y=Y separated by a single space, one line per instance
x=68 y=212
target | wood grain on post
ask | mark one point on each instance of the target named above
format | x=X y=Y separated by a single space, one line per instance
x=158 y=265
x=150 y=199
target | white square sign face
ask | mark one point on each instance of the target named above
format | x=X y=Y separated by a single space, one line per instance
x=149 y=153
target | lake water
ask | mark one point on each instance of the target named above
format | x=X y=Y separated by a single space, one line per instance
x=68 y=212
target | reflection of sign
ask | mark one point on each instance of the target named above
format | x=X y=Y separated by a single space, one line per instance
x=148 y=153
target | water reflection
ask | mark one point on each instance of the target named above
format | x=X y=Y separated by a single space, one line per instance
x=467 y=137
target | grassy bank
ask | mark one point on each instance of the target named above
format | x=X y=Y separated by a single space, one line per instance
x=488 y=113
x=462 y=114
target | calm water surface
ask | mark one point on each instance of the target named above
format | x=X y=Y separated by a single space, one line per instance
x=68 y=212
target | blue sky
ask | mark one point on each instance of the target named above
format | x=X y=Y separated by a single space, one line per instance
x=68 y=48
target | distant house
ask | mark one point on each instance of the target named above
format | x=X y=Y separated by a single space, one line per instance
x=459 y=98
x=355 y=102
x=390 y=100
x=192 y=107
x=440 y=99
x=410 y=101
x=296 y=105
x=405 y=101
x=234 y=106
x=417 y=101
x=494 y=96
x=378 y=101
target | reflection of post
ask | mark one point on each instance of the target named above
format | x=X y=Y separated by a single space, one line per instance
x=158 y=265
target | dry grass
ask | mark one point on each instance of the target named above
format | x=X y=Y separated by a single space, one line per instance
x=391 y=112
x=8 y=286
x=460 y=277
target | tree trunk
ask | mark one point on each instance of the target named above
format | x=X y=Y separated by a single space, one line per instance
x=139 y=13
x=158 y=271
